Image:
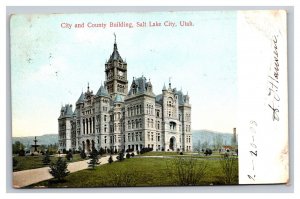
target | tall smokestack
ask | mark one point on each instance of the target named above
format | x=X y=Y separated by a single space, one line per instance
x=234 y=137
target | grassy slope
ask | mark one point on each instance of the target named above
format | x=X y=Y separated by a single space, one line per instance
x=146 y=172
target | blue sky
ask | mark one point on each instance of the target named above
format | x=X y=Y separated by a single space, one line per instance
x=50 y=65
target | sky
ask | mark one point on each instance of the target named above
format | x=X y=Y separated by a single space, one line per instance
x=52 y=65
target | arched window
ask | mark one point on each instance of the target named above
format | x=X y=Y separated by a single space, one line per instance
x=148 y=122
x=140 y=123
x=129 y=124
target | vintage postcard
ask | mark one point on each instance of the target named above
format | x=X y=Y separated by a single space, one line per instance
x=149 y=99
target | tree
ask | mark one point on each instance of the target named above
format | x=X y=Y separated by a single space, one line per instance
x=59 y=169
x=198 y=147
x=46 y=158
x=17 y=146
x=110 y=159
x=94 y=159
x=205 y=145
x=218 y=142
x=128 y=155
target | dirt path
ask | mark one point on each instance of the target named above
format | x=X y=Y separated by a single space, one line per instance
x=31 y=176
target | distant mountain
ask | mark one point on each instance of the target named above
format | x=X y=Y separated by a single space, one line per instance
x=210 y=138
x=42 y=140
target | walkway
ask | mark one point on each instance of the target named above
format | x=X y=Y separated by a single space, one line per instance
x=32 y=176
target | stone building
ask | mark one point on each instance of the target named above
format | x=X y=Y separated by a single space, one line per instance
x=115 y=118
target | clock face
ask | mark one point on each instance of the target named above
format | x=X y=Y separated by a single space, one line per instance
x=120 y=73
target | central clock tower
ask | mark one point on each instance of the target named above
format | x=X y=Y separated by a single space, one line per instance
x=116 y=74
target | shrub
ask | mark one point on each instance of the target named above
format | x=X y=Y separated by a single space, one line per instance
x=94 y=160
x=228 y=165
x=138 y=152
x=64 y=151
x=15 y=162
x=132 y=154
x=208 y=152
x=128 y=155
x=101 y=151
x=120 y=157
x=59 y=169
x=122 y=178
x=110 y=160
x=116 y=151
x=69 y=156
x=46 y=159
x=181 y=153
x=21 y=152
x=145 y=150
x=82 y=154
x=186 y=171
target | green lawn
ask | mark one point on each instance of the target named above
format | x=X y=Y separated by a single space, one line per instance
x=159 y=153
x=33 y=162
x=138 y=172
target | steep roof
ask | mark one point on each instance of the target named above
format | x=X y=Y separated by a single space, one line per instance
x=80 y=99
x=102 y=91
x=140 y=84
x=115 y=55
x=66 y=111
x=158 y=99
x=180 y=97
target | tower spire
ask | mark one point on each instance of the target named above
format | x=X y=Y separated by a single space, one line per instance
x=115 y=38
